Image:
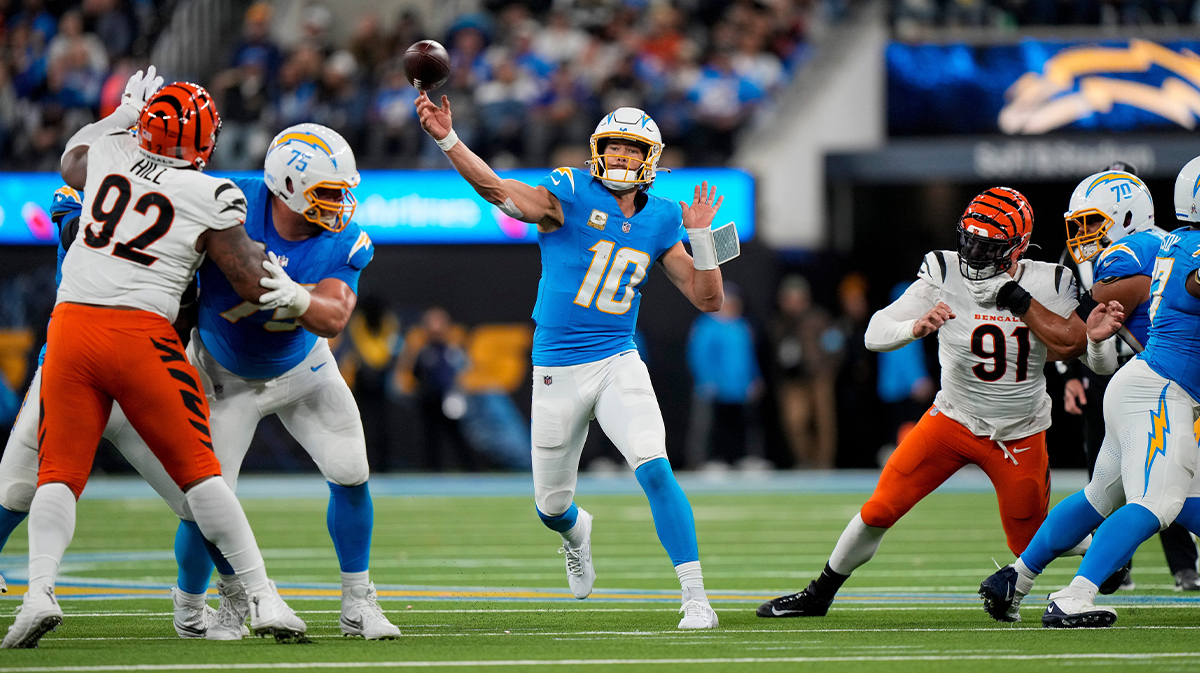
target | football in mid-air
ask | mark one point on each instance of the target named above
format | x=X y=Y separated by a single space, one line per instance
x=427 y=65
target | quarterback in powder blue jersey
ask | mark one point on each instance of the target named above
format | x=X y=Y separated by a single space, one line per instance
x=256 y=362
x=1143 y=476
x=600 y=231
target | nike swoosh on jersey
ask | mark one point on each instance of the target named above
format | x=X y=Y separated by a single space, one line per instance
x=319 y=366
x=554 y=179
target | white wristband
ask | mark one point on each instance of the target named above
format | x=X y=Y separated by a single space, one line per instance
x=704 y=249
x=449 y=141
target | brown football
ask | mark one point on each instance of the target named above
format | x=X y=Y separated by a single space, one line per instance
x=427 y=65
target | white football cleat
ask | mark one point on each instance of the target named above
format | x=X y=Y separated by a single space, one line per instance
x=3 y=586
x=362 y=616
x=230 y=621
x=39 y=613
x=271 y=616
x=193 y=615
x=581 y=574
x=1070 y=609
x=698 y=614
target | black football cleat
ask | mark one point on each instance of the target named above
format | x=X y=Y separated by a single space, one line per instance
x=1121 y=579
x=1000 y=598
x=804 y=604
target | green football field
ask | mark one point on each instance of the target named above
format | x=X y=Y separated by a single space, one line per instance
x=475 y=584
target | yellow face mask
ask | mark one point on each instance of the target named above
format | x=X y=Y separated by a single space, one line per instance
x=1081 y=244
x=636 y=172
x=327 y=213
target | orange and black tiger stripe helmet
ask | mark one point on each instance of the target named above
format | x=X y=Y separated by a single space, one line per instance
x=993 y=233
x=180 y=121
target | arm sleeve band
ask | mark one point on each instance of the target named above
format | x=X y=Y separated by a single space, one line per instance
x=891 y=328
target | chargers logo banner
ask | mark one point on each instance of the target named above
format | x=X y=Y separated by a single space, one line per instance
x=1038 y=87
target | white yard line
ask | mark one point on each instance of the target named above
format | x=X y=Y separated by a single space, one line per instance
x=1091 y=656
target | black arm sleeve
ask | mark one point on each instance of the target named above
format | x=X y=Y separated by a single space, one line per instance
x=1086 y=304
x=67 y=231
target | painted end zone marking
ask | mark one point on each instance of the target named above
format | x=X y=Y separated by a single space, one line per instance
x=1093 y=656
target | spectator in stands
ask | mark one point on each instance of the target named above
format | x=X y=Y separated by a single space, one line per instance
x=562 y=115
x=111 y=24
x=504 y=106
x=256 y=47
x=435 y=366
x=726 y=379
x=369 y=46
x=723 y=101
x=858 y=442
x=367 y=356
x=394 y=130
x=40 y=23
x=298 y=87
x=806 y=355
x=71 y=37
x=341 y=104
x=560 y=42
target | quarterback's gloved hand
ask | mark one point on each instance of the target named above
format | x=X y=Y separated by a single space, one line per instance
x=285 y=294
x=984 y=291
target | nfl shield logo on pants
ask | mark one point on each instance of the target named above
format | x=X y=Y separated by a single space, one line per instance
x=547 y=380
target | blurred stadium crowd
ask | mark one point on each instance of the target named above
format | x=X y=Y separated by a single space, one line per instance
x=524 y=85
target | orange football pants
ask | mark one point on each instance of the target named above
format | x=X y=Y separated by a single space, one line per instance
x=937 y=448
x=96 y=355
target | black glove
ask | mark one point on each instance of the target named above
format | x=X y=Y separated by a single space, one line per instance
x=1013 y=298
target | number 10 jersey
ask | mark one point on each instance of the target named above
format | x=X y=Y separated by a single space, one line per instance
x=136 y=244
x=593 y=268
x=992 y=378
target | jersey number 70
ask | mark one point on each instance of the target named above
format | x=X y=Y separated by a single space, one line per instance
x=607 y=302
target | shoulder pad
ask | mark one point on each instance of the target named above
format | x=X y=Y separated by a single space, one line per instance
x=361 y=252
x=230 y=199
x=935 y=266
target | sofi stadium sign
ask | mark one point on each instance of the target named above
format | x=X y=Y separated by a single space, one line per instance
x=1036 y=87
x=400 y=207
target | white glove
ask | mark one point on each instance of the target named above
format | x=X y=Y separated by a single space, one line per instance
x=288 y=297
x=984 y=291
x=140 y=88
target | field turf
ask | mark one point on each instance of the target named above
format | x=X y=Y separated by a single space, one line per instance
x=475 y=584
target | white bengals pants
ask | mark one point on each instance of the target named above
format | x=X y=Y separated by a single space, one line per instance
x=615 y=391
x=19 y=466
x=1149 y=454
x=312 y=400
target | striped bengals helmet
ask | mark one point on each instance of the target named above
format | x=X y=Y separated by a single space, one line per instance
x=993 y=233
x=180 y=122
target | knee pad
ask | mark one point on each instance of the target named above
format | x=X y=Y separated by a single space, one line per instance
x=554 y=503
x=878 y=515
x=646 y=438
x=16 y=496
x=347 y=468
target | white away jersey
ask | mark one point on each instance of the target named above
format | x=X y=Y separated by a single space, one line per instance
x=992 y=379
x=136 y=244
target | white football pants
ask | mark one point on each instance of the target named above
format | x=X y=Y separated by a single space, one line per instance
x=312 y=400
x=615 y=391
x=19 y=465
x=1149 y=454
